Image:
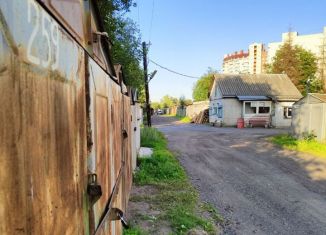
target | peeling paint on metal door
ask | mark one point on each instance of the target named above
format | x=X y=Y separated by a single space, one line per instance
x=42 y=123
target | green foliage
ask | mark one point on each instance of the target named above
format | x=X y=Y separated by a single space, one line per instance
x=299 y=64
x=308 y=144
x=182 y=101
x=134 y=231
x=125 y=38
x=203 y=86
x=168 y=101
x=185 y=119
x=213 y=212
x=176 y=197
x=151 y=137
x=162 y=165
x=156 y=105
x=309 y=136
x=184 y=219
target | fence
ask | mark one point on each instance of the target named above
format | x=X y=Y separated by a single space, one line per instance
x=189 y=111
x=67 y=126
x=196 y=108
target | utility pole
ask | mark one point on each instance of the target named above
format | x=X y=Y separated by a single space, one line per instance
x=148 y=106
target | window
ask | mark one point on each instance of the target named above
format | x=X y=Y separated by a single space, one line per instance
x=249 y=109
x=257 y=107
x=220 y=112
x=263 y=109
x=215 y=110
x=287 y=112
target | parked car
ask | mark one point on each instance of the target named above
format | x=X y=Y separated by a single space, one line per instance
x=159 y=112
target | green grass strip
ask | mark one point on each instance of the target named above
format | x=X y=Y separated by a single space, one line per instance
x=177 y=198
x=310 y=146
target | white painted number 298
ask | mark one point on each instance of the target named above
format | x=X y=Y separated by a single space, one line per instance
x=51 y=37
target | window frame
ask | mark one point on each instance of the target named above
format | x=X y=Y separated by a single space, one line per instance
x=286 y=112
x=220 y=111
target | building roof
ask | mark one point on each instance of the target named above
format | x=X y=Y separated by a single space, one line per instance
x=276 y=86
x=248 y=98
x=236 y=55
x=321 y=97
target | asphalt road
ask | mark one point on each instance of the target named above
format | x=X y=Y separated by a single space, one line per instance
x=257 y=187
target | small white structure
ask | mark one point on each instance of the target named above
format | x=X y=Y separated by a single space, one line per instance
x=264 y=99
x=309 y=116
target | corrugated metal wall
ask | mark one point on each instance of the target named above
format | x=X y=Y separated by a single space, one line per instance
x=309 y=118
x=63 y=117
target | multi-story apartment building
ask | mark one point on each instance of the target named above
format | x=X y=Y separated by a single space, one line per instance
x=236 y=63
x=250 y=62
x=257 y=58
x=316 y=43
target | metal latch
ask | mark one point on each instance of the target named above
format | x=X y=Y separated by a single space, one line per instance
x=117 y=214
x=94 y=190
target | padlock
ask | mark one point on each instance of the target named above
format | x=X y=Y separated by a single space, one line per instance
x=94 y=190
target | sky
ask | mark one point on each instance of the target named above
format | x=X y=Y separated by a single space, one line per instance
x=189 y=36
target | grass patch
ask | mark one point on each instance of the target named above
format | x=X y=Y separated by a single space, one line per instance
x=212 y=211
x=176 y=198
x=184 y=119
x=302 y=145
x=134 y=231
x=162 y=166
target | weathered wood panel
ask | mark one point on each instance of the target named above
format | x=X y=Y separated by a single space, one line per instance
x=62 y=118
x=127 y=147
x=42 y=123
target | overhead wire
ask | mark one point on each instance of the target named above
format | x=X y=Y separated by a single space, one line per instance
x=149 y=44
x=172 y=71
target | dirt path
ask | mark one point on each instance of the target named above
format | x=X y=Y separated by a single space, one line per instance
x=257 y=187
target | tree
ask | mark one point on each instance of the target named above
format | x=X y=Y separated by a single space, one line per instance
x=125 y=37
x=182 y=102
x=299 y=64
x=203 y=86
x=168 y=101
x=156 y=105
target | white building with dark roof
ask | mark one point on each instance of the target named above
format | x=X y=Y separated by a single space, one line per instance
x=264 y=99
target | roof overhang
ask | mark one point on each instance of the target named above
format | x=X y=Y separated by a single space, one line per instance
x=253 y=98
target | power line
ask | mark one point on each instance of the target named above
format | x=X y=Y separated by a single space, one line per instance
x=172 y=71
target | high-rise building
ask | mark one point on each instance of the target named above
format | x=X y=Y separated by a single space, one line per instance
x=250 y=62
x=236 y=63
x=315 y=43
x=257 y=58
